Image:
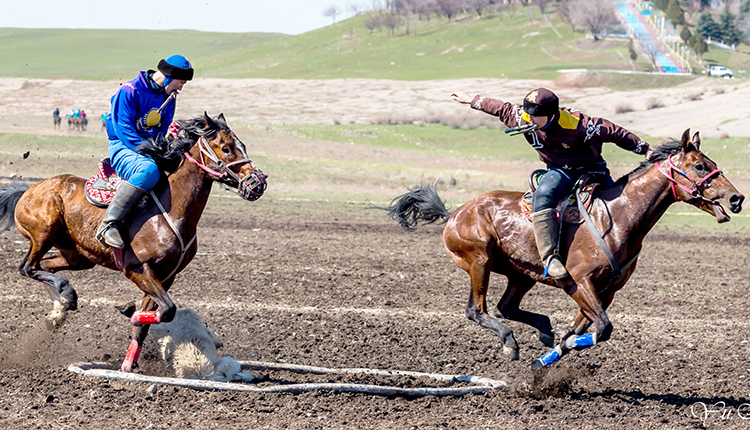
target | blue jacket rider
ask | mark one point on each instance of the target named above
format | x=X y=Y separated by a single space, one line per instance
x=135 y=117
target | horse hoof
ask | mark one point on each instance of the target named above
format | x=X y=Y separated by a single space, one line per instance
x=547 y=340
x=70 y=305
x=536 y=364
x=512 y=353
x=57 y=316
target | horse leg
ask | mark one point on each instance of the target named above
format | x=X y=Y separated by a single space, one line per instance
x=139 y=332
x=508 y=308
x=156 y=307
x=65 y=259
x=580 y=323
x=476 y=309
x=592 y=308
x=30 y=267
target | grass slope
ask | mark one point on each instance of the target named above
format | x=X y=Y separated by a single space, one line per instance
x=108 y=54
x=519 y=46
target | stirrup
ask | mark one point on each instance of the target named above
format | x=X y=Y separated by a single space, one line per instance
x=102 y=231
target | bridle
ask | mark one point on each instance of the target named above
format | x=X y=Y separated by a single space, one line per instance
x=695 y=192
x=251 y=187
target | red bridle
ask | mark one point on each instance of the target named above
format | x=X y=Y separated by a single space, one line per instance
x=695 y=192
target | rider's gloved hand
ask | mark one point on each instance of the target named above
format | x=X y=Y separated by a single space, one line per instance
x=173 y=129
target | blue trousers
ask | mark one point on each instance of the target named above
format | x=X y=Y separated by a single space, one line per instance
x=557 y=183
x=139 y=170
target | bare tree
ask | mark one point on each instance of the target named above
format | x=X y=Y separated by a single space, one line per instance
x=542 y=4
x=391 y=21
x=373 y=22
x=449 y=8
x=331 y=12
x=354 y=8
x=564 y=9
x=478 y=6
x=594 y=15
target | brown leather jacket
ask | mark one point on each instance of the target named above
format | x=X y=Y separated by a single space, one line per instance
x=573 y=141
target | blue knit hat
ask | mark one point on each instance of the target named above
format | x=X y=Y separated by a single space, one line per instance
x=175 y=67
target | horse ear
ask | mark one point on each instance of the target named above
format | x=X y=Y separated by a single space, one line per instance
x=697 y=140
x=221 y=118
x=207 y=119
x=686 y=140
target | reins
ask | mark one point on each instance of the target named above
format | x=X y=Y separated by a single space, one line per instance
x=695 y=192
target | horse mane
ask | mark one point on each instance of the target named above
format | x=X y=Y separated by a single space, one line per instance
x=168 y=153
x=662 y=152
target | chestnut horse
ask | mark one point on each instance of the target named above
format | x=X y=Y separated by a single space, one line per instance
x=491 y=234
x=55 y=213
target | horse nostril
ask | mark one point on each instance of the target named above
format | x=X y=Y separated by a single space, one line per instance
x=736 y=202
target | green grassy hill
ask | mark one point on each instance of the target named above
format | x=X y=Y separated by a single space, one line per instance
x=521 y=45
x=108 y=54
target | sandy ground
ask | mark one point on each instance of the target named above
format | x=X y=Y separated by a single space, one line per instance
x=340 y=286
x=712 y=106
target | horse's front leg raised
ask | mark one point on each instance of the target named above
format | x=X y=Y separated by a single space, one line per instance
x=591 y=307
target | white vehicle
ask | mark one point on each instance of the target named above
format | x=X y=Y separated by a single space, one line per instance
x=719 y=72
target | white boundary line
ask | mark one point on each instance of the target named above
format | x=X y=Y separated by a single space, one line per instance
x=482 y=385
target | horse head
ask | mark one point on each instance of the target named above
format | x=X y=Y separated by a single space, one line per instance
x=222 y=154
x=698 y=181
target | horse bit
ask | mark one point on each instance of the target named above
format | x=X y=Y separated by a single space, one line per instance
x=251 y=187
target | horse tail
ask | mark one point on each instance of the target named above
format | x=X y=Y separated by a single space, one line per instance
x=419 y=204
x=9 y=196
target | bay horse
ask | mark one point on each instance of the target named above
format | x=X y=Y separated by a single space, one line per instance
x=491 y=234
x=57 y=120
x=55 y=213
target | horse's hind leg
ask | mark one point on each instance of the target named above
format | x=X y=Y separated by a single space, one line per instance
x=476 y=309
x=508 y=308
x=65 y=259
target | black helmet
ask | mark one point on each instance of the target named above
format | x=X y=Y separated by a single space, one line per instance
x=541 y=102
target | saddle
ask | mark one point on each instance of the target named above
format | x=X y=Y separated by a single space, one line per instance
x=568 y=205
x=100 y=189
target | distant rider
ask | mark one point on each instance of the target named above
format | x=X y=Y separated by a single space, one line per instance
x=570 y=143
x=129 y=125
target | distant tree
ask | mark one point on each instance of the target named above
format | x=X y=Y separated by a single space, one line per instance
x=707 y=27
x=631 y=51
x=449 y=8
x=594 y=15
x=542 y=5
x=685 y=34
x=729 y=32
x=373 y=23
x=391 y=21
x=354 y=8
x=331 y=12
x=698 y=44
x=675 y=13
x=564 y=9
x=743 y=21
x=478 y=6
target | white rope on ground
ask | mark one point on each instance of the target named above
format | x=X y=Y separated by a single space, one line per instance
x=100 y=370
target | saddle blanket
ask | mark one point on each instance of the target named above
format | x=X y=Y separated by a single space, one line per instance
x=100 y=189
x=571 y=215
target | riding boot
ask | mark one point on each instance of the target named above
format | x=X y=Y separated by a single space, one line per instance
x=126 y=197
x=546 y=229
